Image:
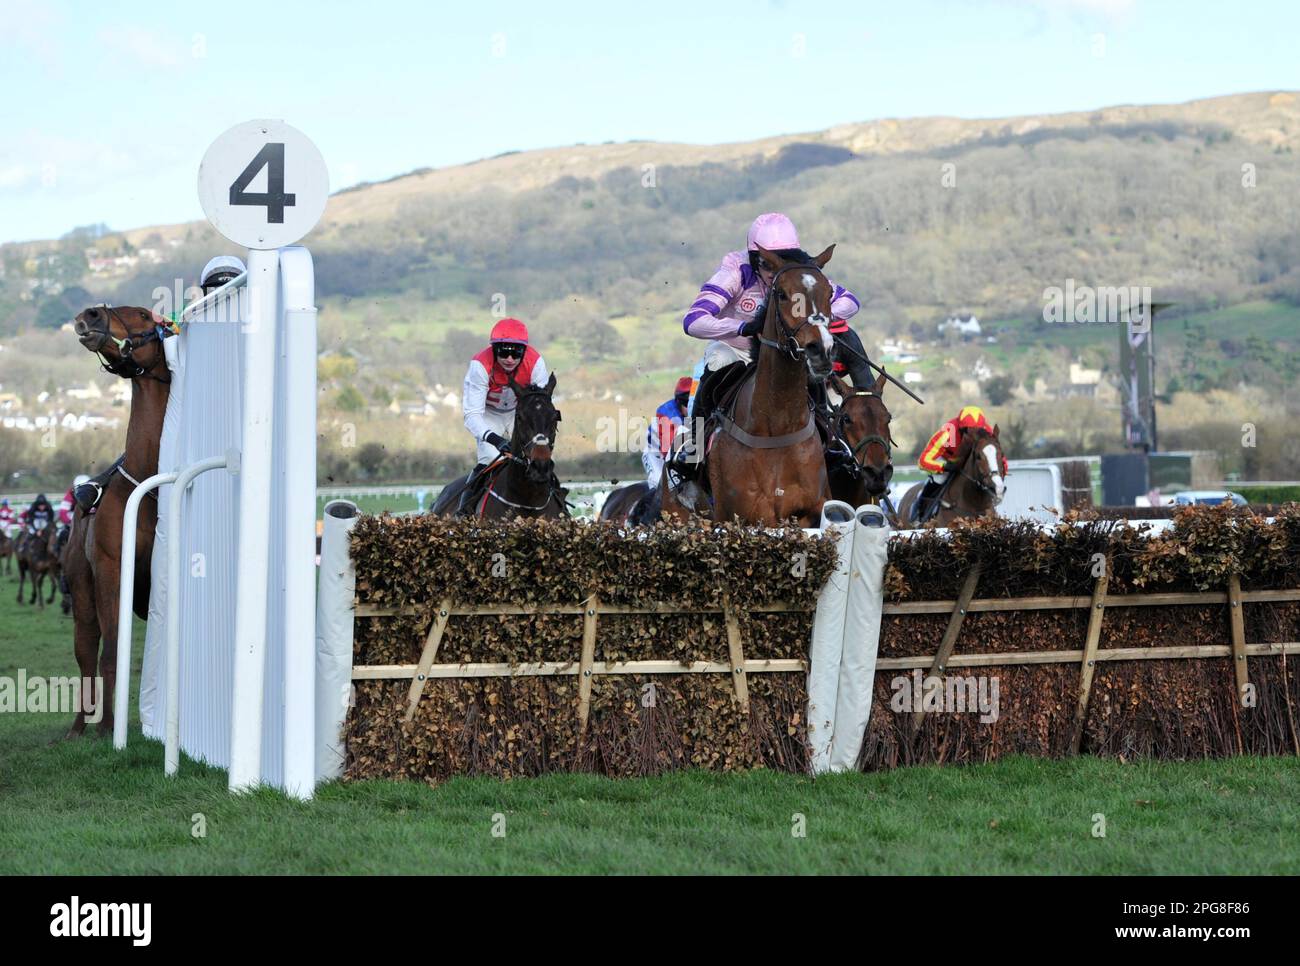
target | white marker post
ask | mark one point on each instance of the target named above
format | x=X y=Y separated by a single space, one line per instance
x=264 y=185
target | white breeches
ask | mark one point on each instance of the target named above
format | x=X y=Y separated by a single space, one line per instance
x=501 y=423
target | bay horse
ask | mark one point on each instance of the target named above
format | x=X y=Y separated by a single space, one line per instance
x=38 y=558
x=622 y=501
x=522 y=484
x=974 y=489
x=766 y=465
x=129 y=344
x=861 y=424
x=6 y=552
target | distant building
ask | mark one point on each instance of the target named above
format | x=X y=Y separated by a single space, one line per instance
x=967 y=326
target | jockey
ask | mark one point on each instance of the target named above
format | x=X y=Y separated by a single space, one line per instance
x=489 y=403
x=39 y=515
x=8 y=520
x=727 y=309
x=663 y=427
x=938 y=458
x=219 y=271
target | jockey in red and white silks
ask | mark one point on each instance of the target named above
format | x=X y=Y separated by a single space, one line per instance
x=725 y=311
x=489 y=403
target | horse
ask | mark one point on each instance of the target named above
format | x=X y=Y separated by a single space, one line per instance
x=766 y=464
x=522 y=485
x=622 y=501
x=6 y=552
x=861 y=424
x=129 y=344
x=974 y=489
x=38 y=557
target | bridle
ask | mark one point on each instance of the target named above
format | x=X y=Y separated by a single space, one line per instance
x=786 y=343
x=859 y=449
x=984 y=486
x=125 y=365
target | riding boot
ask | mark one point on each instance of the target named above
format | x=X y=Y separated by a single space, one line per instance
x=850 y=352
x=467 y=494
x=927 y=499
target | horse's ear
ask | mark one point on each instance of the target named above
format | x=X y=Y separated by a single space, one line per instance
x=550 y=384
x=995 y=430
x=838 y=385
x=772 y=258
x=821 y=260
x=881 y=382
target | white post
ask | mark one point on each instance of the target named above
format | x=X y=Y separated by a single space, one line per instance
x=866 y=600
x=181 y=485
x=299 y=521
x=125 y=610
x=826 y=649
x=334 y=619
x=254 y=519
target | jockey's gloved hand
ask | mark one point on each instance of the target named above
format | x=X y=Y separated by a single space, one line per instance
x=499 y=441
x=752 y=327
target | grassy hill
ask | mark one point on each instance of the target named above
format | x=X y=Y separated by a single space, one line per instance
x=600 y=248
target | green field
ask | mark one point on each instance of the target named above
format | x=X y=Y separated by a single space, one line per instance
x=77 y=807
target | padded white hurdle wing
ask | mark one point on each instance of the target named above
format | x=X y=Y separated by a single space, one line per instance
x=824 y=656
x=866 y=599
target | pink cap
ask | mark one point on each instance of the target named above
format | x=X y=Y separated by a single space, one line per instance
x=773 y=231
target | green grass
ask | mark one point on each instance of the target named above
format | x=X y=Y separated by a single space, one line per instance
x=78 y=807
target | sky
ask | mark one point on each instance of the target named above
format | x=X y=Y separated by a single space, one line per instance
x=106 y=109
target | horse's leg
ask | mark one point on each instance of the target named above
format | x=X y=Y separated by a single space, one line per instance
x=22 y=576
x=85 y=637
x=38 y=592
x=107 y=588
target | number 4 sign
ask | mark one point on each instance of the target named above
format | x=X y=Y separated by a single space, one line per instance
x=263 y=184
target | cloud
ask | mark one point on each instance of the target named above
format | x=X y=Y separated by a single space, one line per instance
x=1115 y=12
x=142 y=43
x=34 y=160
x=33 y=27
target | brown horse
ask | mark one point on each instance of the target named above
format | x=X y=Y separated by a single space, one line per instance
x=38 y=557
x=976 y=487
x=522 y=484
x=766 y=465
x=6 y=552
x=129 y=344
x=861 y=422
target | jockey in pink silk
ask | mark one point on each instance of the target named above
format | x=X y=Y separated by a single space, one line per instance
x=726 y=311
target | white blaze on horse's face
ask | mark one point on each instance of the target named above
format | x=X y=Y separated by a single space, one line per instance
x=994 y=465
x=818 y=318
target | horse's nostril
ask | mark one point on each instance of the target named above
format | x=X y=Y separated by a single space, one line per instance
x=80 y=327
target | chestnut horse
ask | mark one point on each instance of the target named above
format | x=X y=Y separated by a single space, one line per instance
x=861 y=424
x=766 y=465
x=976 y=487
x=129 y=344
x=522 y=484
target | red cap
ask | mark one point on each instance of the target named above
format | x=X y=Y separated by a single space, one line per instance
x=509 y=330
x=684 y=384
